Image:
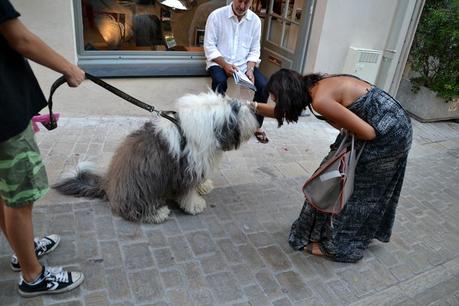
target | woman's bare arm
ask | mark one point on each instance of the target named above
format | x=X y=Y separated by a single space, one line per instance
x=264 y=109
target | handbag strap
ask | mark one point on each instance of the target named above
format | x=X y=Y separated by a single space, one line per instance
x=361 y=150
x=344 y=143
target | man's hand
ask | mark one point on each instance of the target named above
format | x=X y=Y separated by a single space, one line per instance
x=74 y=76
x=229 y=69
x=250 y=75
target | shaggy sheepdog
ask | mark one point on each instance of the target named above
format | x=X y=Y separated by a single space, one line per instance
x=158 y=162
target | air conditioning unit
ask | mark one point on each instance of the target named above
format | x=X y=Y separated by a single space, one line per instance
x=363 y=63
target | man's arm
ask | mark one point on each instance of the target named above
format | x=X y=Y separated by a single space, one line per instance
x=254 y=54
x=211 y=39
x=229 y=68
x=210 y=46
x=249 y=72
x=32 y=47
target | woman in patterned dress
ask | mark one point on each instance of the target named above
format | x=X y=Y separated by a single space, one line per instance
x=376 y=119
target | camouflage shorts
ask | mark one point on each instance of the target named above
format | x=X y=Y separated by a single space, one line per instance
x=23 y=178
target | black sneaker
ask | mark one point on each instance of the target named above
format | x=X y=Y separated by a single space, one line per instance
x=51 y=281
x=42 y=246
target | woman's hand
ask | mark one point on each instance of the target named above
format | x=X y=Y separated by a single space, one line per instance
x=251 y=104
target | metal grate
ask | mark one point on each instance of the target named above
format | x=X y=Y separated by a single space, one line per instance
x=366 y=57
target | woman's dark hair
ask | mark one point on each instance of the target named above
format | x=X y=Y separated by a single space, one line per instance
x=291 y=91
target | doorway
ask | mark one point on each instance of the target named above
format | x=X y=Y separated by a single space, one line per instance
x=285 y=35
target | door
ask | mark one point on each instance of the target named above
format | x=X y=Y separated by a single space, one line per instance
x=285 y=35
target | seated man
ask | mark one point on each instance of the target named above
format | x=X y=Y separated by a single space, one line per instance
x=232 y=43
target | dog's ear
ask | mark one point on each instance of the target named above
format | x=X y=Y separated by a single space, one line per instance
x=229 y=135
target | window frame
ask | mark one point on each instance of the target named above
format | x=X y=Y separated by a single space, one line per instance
x=134 y=63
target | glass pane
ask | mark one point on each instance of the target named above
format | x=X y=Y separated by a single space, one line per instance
x=286 y=8
x=260 y=7
x=295 y=10
x=275 y=31
x=146 y=25
x=290 y=36
x=277 y=7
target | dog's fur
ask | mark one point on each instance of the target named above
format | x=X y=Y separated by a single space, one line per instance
x=150 y=166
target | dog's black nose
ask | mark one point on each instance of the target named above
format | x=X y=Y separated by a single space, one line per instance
x=235 y=106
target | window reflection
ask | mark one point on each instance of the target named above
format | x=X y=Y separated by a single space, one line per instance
x=259 y=7
x=146 y=25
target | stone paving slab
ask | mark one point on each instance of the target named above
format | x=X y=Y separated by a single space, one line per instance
x=236 y=251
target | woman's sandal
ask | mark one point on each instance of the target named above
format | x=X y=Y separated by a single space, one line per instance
x=261 y=136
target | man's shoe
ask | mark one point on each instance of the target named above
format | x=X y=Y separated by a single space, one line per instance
x=42 y=246
x=52 y=280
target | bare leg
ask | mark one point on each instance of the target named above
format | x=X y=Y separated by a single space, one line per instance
x=19 y=232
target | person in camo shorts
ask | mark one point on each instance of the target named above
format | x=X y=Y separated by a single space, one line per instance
x=23 y=177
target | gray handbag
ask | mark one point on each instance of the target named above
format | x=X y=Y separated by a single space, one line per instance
x=331 y=185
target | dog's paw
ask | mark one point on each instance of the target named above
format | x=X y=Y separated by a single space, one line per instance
x=196 y=206
x=206 y=187
x=161 y=215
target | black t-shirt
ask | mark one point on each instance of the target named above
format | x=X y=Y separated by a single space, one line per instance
x=20 y=94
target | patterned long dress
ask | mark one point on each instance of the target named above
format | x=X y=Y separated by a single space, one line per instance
x=370 y=211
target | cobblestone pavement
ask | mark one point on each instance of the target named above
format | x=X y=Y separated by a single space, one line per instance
x=236 y=251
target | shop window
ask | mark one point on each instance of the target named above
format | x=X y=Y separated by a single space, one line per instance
x=259 y=7
x=145 y=25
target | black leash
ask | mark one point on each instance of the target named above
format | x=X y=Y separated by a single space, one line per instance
x=150 y=108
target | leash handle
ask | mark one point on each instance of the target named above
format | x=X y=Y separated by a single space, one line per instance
x=120 y=93
x=52 y=123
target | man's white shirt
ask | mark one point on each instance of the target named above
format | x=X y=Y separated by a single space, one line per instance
x=238 y=42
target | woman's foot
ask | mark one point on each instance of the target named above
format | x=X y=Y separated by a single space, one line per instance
x=261 y=136
x=313 y=248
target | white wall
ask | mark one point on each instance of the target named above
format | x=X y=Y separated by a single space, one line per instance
x=52 y=21
x=345 y=23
